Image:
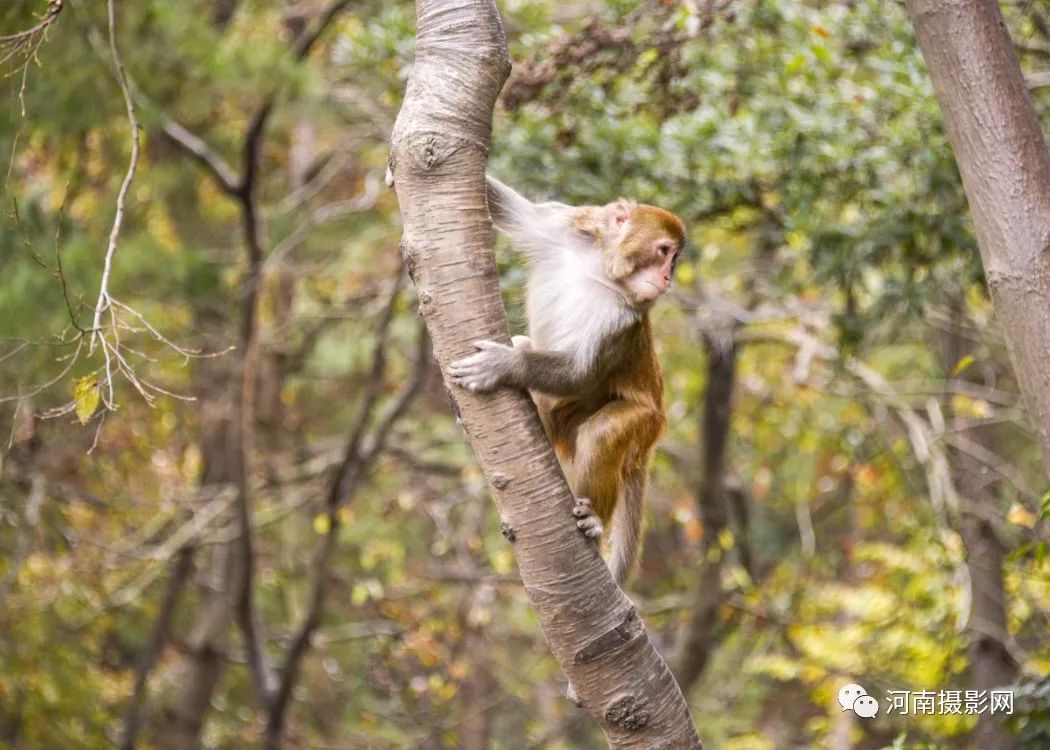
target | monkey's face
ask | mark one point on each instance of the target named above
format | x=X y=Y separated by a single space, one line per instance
x=646 y=256
x=650 y=281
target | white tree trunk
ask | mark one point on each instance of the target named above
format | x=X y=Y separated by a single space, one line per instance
x=439 y=147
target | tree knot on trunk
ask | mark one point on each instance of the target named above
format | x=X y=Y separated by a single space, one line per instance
x=627 y=712
x=628 y=630
x=426 y=151
x=411 y=257
x=508 y=531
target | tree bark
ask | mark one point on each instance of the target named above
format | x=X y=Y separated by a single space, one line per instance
x=991 y=664
x=1005 y=167
x=439 y=145
x=197 y=677
x=701 y=633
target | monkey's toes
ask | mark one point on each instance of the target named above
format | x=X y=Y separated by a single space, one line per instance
x=589 y=523
x=590 y=526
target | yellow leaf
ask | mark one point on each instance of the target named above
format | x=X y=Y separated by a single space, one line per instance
x=85 y=397
x=1021 y=516
x=962 y=364
x=725 y=539
x=321 y=523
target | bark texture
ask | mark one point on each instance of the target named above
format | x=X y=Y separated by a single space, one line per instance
x=183 y=714
x=439 y=146
x=702 y=632
x=991 y=664
x=1005 y=167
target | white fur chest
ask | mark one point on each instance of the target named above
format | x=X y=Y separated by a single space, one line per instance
x=571 y=310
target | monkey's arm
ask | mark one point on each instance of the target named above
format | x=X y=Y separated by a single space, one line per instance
x=498 y=366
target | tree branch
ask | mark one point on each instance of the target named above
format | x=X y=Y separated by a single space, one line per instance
x=359 y=457
x=220 y=170
x=54 y=8
x=133 y=715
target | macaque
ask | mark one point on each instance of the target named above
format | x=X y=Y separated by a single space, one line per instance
x=588 y=361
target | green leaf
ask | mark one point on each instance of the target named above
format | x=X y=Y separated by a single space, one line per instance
x=86 y=397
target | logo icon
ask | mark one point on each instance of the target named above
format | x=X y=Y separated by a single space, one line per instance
x=855 y=698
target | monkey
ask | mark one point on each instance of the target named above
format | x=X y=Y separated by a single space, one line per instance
x=588 y=361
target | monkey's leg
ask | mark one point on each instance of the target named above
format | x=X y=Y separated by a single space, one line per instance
x=612 y=458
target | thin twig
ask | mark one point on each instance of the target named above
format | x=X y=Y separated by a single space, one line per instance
x=133 y=715
x=54 y=8
x=118 y=218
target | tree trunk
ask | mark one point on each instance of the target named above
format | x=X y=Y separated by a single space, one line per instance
x=1005 y=167
x=701 y=632
x=182 y=718
x=991 y=665
x=439 y=145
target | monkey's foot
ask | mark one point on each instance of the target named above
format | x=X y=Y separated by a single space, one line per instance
x=485 y=370
x=588 y=522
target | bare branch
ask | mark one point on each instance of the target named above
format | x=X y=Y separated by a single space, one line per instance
x=1037 y=80
x=207 y=157
x=305 y=43
x=133 y=715
x=103 y=293
x=25 y=44
x=54 y=8
x=359 y=457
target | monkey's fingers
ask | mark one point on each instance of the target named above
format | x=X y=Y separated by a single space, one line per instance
x=482 y=371
x=475 y=373
x=485 y=345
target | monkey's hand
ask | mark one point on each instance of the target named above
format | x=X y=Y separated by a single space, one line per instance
x=588 y=521
x=492 y=366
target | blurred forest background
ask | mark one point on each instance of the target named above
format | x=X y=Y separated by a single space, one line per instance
x=849 y=490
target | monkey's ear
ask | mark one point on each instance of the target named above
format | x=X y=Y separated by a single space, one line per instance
x=620 y=213
x=589 y=220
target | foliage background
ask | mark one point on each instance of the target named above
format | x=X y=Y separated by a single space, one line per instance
x=800 y=142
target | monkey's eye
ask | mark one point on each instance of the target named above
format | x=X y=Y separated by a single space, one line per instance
x=664 y=249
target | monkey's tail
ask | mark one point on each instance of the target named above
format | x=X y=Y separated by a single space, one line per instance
x=626 y=537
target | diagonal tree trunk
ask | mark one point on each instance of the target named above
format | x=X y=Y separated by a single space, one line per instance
x=1005 y=167
x=439 y=145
